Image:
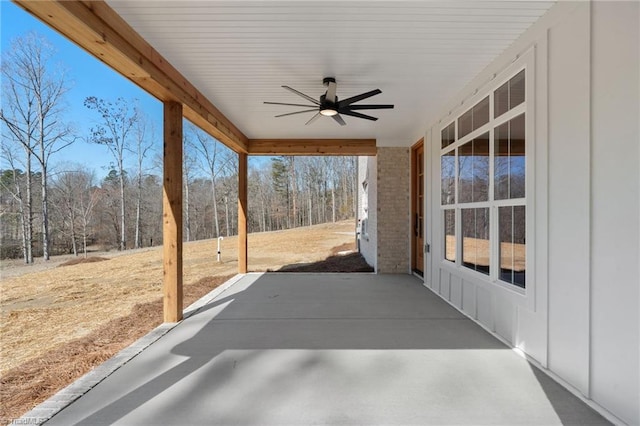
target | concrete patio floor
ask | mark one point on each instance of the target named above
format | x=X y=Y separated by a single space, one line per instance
x=330 y=349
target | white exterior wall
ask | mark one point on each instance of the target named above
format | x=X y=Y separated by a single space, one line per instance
x=615 y=208
x=367 y=170
x=580 y=315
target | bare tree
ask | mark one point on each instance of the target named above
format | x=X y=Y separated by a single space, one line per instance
x=144 y=135
x=12 y=182
x=213 y=161
x=118 y=121
x=189 y=164
x=90 y=196
x=34 y=95
x=67 y=194
x=75 y=195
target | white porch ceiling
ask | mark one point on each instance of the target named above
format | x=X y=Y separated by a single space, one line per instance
x=419 y=53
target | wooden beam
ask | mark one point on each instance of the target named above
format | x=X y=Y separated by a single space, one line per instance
x=172 y=212
x=312 y=147
x=242 y=214
x=97 y=28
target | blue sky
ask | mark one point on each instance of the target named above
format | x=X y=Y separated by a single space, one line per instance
x=88 y=77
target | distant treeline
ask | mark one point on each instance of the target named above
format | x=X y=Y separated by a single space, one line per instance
x=51 y=207
x=84 y=210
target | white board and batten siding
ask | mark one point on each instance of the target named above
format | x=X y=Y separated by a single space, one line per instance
x=579 y=316
x=367 y=209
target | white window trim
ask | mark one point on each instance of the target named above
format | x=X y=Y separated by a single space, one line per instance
x=526 y=296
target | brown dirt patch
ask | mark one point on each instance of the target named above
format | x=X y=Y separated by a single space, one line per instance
x=81 y=260
x=344 y=247
x=33 y=295
x=29 y=384
x=352 y=262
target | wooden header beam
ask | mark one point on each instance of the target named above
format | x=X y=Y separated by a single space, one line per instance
x=362 y=147
x=97 y=28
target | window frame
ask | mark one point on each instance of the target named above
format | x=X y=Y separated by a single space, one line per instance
x=526 y=295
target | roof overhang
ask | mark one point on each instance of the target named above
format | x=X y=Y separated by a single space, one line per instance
x=239 y=53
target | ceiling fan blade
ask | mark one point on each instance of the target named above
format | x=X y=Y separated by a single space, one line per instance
x=357 y=114
x=331 y=92
x=307 y=97
x=356 y=107
x=280 y=103
x=357 y=98
x=297 y=112
x=339 y=119
x=314 y=118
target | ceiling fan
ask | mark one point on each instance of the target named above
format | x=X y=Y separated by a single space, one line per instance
x=330 y=106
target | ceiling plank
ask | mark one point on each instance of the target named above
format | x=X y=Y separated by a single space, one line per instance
x=364 y=147
x=97 y=28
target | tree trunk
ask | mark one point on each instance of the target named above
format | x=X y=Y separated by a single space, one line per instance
x=294 y=192
x=84 y=239
x=29 y=212
x=123 y=230
x=215 y=205
x=226 y=213
x=23 y=225
x=333 y=204
x=138 y=208
x=264 y=214
x=186 y=210
x=324 y=200
x=74 y=244
x=21 y=212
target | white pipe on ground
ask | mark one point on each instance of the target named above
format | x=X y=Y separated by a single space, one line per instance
x=219 y=239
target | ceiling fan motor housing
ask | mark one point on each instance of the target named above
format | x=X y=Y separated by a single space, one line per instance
x=327 y=80
x=325 y=104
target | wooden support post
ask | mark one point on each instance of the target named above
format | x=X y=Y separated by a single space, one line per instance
x=242 y=214
x=172 y=212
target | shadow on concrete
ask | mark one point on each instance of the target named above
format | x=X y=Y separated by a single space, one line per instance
x=570 y=409
x=351 y=262
x=336 y=349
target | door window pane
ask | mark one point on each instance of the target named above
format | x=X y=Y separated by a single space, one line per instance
x=475 y=239
x=448 y=135
x=448 y=178
x=473 y=169
x=509 y=159
x=512 y=227
x=450 y=235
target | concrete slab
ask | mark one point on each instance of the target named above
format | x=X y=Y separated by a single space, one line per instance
x=306 y=349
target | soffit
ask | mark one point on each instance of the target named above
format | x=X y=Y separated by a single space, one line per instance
x=419 y=53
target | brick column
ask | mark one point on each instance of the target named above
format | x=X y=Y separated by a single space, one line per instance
x=394 y=222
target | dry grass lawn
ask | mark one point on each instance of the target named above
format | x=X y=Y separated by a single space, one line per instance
x=43 y=311
x=512 y=256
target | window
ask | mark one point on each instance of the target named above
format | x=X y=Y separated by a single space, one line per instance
x=450 y=235
x=483 y=185
x=448 y=135
x=473 y=119
x=475 y=239
x=473 y=170
x=448 y=181
x=509 y=95
x=511 y=230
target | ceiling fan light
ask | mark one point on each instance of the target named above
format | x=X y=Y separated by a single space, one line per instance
x=328 y=112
